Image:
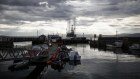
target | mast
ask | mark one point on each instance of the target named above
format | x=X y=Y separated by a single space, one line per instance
x=71 y=28
x=74 y=23
x=37 y=32
x=117 y=35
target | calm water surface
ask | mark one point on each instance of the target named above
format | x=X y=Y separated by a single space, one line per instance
x=95 y=64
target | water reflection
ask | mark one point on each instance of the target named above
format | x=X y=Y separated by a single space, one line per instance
x=89 y=53
x=95 y=64
x=100 y=64
x=74 y=63
x=94 y=53
x=27 y=44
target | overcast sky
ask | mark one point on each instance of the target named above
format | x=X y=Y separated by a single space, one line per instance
x=25 y=17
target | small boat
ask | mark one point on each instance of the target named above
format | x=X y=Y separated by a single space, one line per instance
x=44 y=46
x=36 y=47
x=73 y=55
x=135 y=47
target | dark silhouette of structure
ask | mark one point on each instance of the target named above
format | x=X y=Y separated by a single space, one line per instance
x=71 y=29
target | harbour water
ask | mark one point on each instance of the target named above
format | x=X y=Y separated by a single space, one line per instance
x=95 y=64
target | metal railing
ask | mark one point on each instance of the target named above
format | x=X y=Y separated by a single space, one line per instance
x=20 y=53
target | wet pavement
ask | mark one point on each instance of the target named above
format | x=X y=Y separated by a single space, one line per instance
x=95 y=64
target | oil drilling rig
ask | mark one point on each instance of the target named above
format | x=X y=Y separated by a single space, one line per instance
x=71 y=28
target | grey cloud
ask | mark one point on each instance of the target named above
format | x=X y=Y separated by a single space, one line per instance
x=8 y=31
x=123 y=8
x=14 y=11
x=114 y=25
x=112 y=8
x=61 y=12
x=55 y=2
x=133 y=25
x=17 y=10
x=20 y=2
x=116 y=2
x=138 y=25
x=85 y=22
x=129 y=30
